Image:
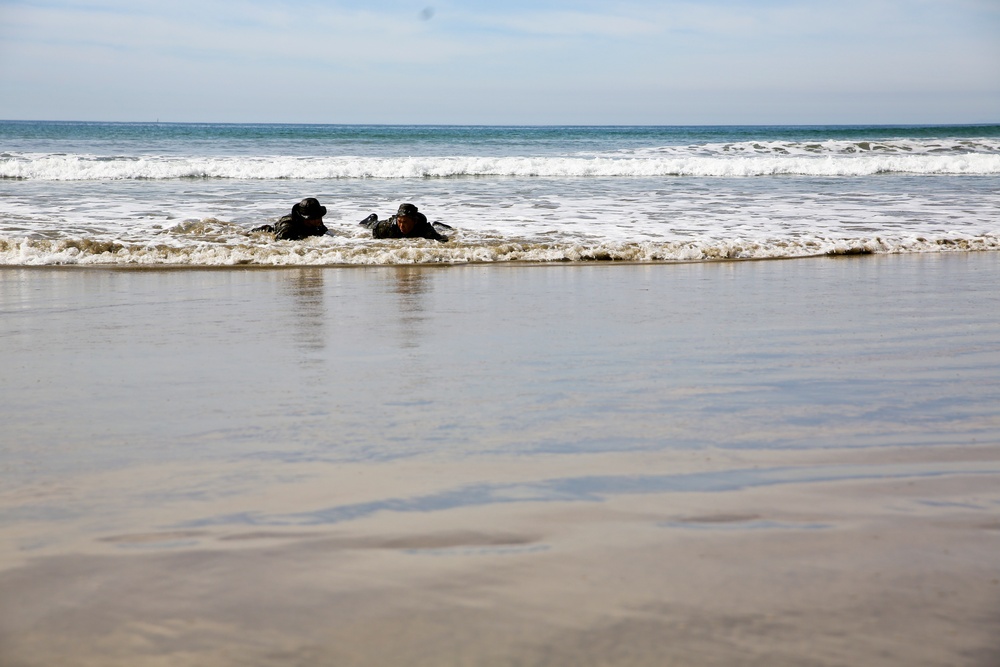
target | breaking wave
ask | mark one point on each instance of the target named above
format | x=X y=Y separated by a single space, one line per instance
x=717 y=161
x=329 y=251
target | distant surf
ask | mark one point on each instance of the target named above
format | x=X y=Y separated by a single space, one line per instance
x=764 y=158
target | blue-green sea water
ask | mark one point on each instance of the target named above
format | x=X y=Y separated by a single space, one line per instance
x=189 y=194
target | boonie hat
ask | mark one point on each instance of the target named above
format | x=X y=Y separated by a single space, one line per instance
x=309 y=208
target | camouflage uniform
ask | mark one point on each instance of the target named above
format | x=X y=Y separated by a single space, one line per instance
x=389 y=229
x=293 y=227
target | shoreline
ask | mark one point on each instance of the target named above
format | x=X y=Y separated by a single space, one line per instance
x=846 y=254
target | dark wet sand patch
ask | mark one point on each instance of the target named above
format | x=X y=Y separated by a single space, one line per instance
x=153 y=538
x=720 y=518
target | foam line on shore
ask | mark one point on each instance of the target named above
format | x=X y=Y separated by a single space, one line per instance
x=329 y=251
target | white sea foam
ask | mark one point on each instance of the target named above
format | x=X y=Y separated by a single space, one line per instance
x=835 y=147
x=742 y=163
x=328 y=251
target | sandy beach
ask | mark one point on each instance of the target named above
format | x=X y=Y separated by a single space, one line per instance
x=737 y=463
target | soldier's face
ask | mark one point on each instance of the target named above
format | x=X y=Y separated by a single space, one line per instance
x=405 y=223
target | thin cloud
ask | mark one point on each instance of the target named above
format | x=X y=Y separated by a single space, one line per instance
x=543 y=61
x=574 y=24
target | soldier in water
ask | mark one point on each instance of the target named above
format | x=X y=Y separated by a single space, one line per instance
x=306 y=219
x=407 y=223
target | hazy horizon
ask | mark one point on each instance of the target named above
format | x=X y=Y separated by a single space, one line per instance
x=498 y=125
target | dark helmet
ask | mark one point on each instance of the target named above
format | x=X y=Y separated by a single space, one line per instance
x=407 y=210
x=309 y=209
x=410 y=212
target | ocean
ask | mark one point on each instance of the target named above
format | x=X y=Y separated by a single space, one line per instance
x=565 y=437
x=188 y=194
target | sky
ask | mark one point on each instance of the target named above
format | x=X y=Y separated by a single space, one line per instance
x=534 y=62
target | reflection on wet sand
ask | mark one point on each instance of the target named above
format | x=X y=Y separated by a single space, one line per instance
x=305 y=290
x=598 y=489
x=411 y=285
x=841 y=571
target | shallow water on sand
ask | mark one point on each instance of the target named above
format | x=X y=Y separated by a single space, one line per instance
x=382 y=363
x=531 y=455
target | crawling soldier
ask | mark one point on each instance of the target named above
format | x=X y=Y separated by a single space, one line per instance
x=407 y=223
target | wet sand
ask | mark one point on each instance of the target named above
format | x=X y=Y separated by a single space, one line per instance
x=758 y=463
